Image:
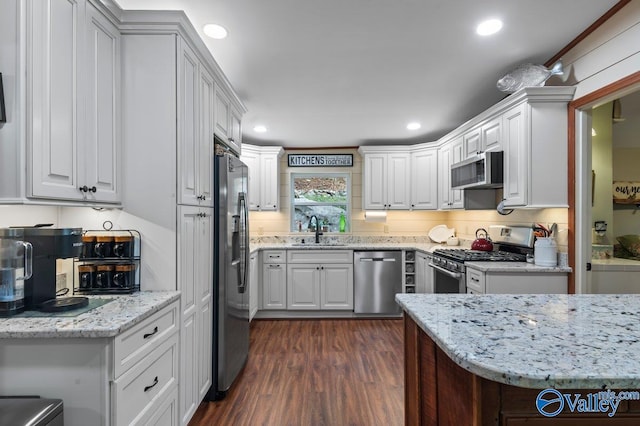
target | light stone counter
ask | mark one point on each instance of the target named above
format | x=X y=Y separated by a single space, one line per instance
x=515 y=267
x=108 y=320
x=536 y=341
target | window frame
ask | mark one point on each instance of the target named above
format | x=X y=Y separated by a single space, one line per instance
x=307 y=174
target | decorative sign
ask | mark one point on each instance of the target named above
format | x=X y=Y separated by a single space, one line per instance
x=320 y=160
x=626 y=192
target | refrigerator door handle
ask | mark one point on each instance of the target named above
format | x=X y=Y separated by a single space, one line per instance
x=244 y=243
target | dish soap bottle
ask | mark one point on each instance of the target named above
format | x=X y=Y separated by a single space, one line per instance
x=343 y=223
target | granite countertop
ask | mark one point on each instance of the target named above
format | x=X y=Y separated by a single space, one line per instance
x=108 y=320
x=515 y=267
x=423 y=247
x=536 y=341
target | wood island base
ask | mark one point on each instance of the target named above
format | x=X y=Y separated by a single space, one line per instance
x=440 y=392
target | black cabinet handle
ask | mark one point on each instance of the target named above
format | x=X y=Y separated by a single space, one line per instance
x=148 y=388
x=83 y=188
x=155 y=330
x=93 y=189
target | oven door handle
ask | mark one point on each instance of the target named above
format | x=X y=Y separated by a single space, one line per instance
x=456 y=275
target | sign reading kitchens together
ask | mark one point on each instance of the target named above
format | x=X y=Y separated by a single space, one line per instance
x=320 y=160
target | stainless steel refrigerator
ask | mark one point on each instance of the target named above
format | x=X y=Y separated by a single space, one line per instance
x=231 y=274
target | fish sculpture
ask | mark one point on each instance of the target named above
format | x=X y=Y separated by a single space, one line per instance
x=527 y=75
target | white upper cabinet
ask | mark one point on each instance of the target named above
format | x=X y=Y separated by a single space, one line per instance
x=485 y=137
x=73 y=123
x=386 y=179
x=424 y=179
x=228 y=121
x=195 y=129
x=264 y=176
x=535 y=146
x=448 y=154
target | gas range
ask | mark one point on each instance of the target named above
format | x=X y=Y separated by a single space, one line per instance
x=511 y=244
x=463 y=255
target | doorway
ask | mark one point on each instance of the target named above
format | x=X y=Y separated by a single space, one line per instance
x=581 y=172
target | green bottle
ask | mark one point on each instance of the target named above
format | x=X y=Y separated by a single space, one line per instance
x=343 y=222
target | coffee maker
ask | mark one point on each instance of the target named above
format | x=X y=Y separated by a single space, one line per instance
x=49 y=244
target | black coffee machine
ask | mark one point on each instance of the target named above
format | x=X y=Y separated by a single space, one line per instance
x=49 y=244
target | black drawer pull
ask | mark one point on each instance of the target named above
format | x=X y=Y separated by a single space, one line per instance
x=155 y=330
x=155 y=382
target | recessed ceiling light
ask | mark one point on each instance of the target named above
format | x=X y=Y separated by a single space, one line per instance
x=414 y=126
x=260 y=129
x=488 y=27
x=215 y=31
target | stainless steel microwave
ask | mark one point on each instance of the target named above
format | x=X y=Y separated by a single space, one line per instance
x=482 y=171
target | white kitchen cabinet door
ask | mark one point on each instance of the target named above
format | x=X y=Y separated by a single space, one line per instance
x=421 y=268
x=471 y=143
x=195 y=275
x=73 y=102
x=188 y=114
x=54 y=80
x=386 y=182
x=375 y=182
x=235 y=129
x=205 y=139
x=222 y=115
x=254 y=284
x=457 y=196
x=483 y=138
x=424 y=179
x=399 y=181
x=252 y=159
x=274 y=286
x=269 y=182
x=336 y=286
x=516 y=157
x=100 y=158
x=188 y=383
x=303 y=286
x=492 y=135
x=449 y=154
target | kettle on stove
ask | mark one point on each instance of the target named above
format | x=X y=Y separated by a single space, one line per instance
x=482 y=241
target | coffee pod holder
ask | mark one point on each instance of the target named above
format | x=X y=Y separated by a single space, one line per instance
x=109 y=263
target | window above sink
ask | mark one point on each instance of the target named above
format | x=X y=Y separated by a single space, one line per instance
x=325 y=195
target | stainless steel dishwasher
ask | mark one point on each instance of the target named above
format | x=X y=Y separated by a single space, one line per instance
x=377 y=277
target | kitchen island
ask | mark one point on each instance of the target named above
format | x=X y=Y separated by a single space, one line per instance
x=115 y=364
x=485 y=360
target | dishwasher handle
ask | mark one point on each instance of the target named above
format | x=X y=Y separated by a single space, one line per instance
x=377 y=259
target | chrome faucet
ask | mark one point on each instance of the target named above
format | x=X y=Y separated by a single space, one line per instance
x=318 y=233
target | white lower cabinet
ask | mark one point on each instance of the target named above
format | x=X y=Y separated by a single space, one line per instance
x=129 y=379
x=254 y=280
x=195 y=275
x=514 y=282
x=320 y=286
x=274 y=279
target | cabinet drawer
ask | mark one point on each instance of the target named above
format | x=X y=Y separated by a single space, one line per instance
x=274 y=256
x=134 y=344
x=143 y=388
x=167 y=413
x=475 y=280
x=320 y=256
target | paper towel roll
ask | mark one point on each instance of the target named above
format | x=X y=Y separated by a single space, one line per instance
x=375 y=216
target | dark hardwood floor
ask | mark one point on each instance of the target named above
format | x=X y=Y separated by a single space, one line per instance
x=316 y=372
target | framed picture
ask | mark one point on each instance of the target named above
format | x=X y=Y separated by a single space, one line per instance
x=3 y=113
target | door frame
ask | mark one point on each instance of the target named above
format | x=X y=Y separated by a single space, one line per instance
x=579 y=172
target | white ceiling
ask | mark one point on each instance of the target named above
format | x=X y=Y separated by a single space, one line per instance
x=355 y=72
